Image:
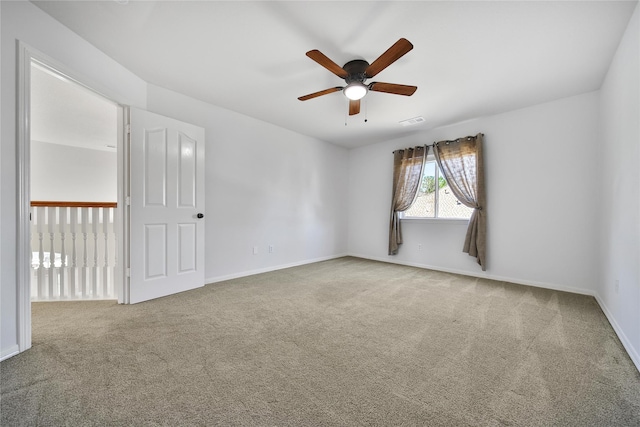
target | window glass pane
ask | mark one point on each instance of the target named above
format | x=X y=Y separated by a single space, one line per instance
x=424 y=205
x=447 y=206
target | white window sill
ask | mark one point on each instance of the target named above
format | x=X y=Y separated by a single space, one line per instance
x=460 y=221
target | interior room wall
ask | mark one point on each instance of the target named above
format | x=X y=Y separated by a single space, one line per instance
x=619 y=161
x=4 y=352
x=65 y=173
x=23 y=21
x=541 y=168
x=265 y=185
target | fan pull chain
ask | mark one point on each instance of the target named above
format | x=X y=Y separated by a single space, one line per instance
x=365 y=110
x=345 y=113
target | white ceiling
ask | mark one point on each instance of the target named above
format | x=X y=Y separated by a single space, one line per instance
x=470 y=59
x=63 y=112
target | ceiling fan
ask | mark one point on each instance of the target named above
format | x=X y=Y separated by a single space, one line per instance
x=356 y=72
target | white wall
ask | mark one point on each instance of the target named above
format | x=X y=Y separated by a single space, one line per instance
x=23 y=21
x=620 y=189
x=264 y=186
x=65 y=173
x=9 y=348
x=541 y=222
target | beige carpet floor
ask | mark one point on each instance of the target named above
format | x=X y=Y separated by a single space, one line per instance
x=346 y=342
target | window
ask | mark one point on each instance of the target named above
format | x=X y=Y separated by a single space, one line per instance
x=435 y=198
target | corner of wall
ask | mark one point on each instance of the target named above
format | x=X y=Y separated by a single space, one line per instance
x=626 y=342
x=618 y=286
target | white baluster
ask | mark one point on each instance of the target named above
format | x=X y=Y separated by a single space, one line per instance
x=33 y=277
x=62 y=223
x=95 y=222
x=114 y=228
x=51 y=227
x=40 y=227
x=105 y=270
x=84 y=228
x=73 y=227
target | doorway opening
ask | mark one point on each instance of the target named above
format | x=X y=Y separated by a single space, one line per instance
x=73 y=189
x=62 y=279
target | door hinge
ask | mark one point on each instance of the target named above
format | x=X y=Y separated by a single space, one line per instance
x=128 y=272
x=128 y=128
x=127 y=200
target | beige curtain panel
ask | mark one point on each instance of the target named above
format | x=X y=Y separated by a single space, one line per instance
x=408 y=165
x=462 y=164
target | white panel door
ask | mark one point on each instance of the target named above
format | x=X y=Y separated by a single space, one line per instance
x=166 y=232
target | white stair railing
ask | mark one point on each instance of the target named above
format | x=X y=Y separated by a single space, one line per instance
x=78 y=267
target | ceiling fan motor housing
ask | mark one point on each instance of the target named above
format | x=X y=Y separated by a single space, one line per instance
x=356 y=70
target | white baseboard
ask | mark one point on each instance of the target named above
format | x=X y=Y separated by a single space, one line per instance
x=9 y=352
x=633 y=353
x=483 y=275
x=268 y=269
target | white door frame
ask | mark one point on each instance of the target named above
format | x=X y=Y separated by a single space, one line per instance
x=27 y=54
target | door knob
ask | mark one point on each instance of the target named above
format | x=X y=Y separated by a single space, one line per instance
x=200 y=215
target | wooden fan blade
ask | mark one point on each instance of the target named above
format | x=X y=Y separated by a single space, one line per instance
x=323 y=60
x=393 y=88
x=395 y=52
x=320 y=93
x=354 y=107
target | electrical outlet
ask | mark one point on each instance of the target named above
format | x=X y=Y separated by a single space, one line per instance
x=419 y=246
x=270 y=249
x=255 y=250
x=617 y=286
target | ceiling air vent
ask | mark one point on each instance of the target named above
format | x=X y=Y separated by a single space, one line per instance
x=413 y=121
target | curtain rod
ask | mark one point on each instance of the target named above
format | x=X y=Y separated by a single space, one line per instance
x=446 y=142
x=457 y=139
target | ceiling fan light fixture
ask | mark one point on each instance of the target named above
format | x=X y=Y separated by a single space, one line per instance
x=355 y=91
